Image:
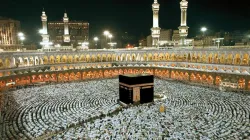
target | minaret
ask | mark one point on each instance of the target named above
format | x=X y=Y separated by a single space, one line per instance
x=66 y=36
x=183 y=29
x=44 y=33
x=155 y=30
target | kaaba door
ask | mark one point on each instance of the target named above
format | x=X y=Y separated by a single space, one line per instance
x=136 y=94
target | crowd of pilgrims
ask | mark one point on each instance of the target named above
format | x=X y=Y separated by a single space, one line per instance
x=41 y=110
x=191 y=112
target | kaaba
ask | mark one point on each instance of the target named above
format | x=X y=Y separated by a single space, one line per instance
x=135 y=89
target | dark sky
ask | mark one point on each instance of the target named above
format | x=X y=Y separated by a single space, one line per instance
x=133 y=16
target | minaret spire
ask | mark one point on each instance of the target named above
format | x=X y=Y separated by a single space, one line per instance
x=183 y=29
x=44 y=31
x=66 y=28
x=44 y=22
x=156 y=29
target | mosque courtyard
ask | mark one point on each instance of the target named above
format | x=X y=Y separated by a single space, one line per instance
x=89 y=110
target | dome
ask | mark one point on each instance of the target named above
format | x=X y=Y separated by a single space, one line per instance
x=236 y=71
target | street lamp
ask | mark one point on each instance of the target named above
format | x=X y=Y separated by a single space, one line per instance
x=203 y=29
x=110 y=36
x=20 y=34
x=106 y=33
x=21 y=37
x=96 y=39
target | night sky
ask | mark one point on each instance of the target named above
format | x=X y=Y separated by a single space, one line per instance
x=132 y=16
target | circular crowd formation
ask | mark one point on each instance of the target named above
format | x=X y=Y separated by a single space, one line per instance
x=64 y=112
x=33 y=112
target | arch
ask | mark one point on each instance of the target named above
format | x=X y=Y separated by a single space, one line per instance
x=26 y=61
x=88 y=59
x=1 y=64
x=51 y=59
x=65 y=68
x=145 y=58
x=120 y=71
x=78 y=75
x=241 y=83
x=93 y=58
x=245 y=60
x=216 y=58
x=161 y=57
x=36 y=61
x=204 y=58
x=194 y=57
x=229 y=59
x=210 y=80
x=210 y=58
x=45 y=60
x=109 y=58
x=70 y=59
x=71 y=67
x=222 y=58
x=217 y=80
x=173 y=74
x=118 y=58
x=100 y=74
x=82 y=58
x=46 y=78
x=204 y=78
x=248 y=86
x=7 y=63
x=237 y=59
x=31 y=61
x=150 y=57
x=192 y=77
x=155 y=57
x=66 y=77
x=99 y=58
x=103 y=57
x=173 y=57
x=113 y=57
x=52 y=68
x=58 y=59
x=177 y=75
x=167 y=56
x=186 y=76
x=64 y=59
x=182 y=76
x=40 y=77
x=53 y=77
x=76 y=58
x=72 y=76
x=19 y=62
x=60 y=77
x=198 y=78
x=133 y=58
x=199 y=58
x=184 y=57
